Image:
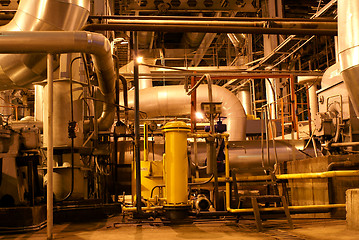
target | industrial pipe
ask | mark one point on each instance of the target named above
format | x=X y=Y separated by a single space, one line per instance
x=284 y=176
x=50 y=147
x=38 y=15
x=137 y=124
x=348 y=47
x=327 y=174
x=259 y=24
x=195 y=18
x=204 y=28
x=69 y=42
x=174 y=101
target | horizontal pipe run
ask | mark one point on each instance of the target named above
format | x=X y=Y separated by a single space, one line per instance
x=328 y=174
x=207 y=29
x=261 y=24
x=55 y=42
x=344 y=144
x=134 y=209
x=291 y=208
x=243 y=19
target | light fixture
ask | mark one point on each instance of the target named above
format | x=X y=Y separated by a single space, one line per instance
x=199 y=115
x=139 y=59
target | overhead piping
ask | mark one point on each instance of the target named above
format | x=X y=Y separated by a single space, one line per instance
x=71 y=42
x=38 y=15
x=174 y=101
x=131 y=25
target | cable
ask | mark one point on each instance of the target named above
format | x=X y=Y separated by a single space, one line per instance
x=72 y=135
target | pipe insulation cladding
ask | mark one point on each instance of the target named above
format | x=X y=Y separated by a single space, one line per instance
x=174 y=101
x=348 y=38
x=71 y=42
x=38 y=15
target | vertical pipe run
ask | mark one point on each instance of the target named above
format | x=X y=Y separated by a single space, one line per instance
x=293 y=106
x=137 y=123
x=145 y=142
x=193 y=105
x=50 y=148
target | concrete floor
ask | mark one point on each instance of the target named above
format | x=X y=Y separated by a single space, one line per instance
x=305 y=229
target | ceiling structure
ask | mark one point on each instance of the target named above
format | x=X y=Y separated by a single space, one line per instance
x=216 y=51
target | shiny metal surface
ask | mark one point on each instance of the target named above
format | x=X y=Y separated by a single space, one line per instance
x=244 y=95
x=246 y=156
x=348 y=46
x=173 y=101
x=144 y=82
x=62 y=113
x=69 y=42
x=38 y=15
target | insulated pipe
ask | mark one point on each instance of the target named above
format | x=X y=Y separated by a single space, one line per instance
x=38 y=15
x=244 y=95
x=70 y=42
x=174 y=101
x=129 y=26
x=348 y=47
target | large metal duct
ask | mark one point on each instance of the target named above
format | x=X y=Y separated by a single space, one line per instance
x=174 y=101
x=71 y=42
x=38 y=15
x=348 y=25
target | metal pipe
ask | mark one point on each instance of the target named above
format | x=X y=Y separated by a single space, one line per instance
x=137 y=123
x=244 y=95
x=69 y=42
x=38 y=15
x=125 y=95
x=291 y=208
x=327 y=174
x=343 y=144
x=50 y=149
x=174 y=101
x=348 y=46
x=244 y=19
x=134 y=209
x=261 y=24
x=208 y=29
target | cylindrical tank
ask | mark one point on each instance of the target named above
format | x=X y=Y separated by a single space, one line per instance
x=62 y=113
x=176 y=163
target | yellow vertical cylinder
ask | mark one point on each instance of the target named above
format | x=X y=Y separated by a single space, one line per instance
x=176 y=162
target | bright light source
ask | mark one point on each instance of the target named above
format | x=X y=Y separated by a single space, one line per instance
x=139 y=59
x=124 y=42
x=199 y=115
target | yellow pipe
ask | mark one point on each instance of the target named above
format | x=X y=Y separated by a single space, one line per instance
x=145 y=142
x=206 y=135
x=328 y=174
x=134 y=209
x=309 y=207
